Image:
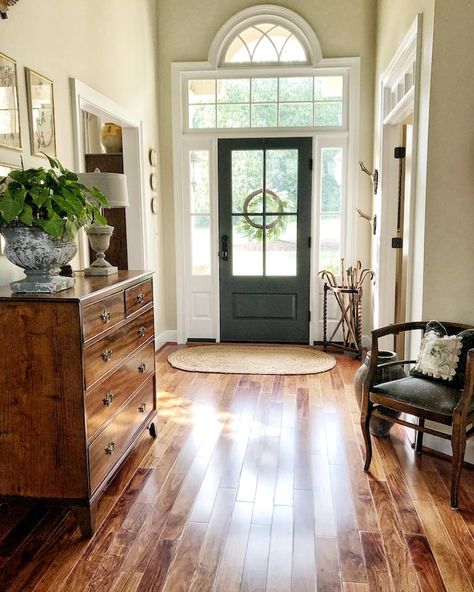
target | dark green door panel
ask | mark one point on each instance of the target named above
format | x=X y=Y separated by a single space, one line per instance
x=264 y=230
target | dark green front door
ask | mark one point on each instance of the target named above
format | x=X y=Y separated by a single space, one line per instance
x=264 y=232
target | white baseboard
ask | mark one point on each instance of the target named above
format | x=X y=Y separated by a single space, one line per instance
x=164 y=338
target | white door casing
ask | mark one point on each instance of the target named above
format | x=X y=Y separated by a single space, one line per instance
x=198 y=296
x=138 y=231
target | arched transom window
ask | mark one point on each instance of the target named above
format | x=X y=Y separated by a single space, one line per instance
x=264 y=74
x=267 y=43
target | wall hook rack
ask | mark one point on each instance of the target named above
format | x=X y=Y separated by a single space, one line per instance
x=374 y=175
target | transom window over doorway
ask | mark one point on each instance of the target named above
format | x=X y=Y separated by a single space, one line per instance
x=265 y=80
x=290 y=101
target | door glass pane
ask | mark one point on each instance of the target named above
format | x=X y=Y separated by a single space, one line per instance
x=233 y=91
x=330 y=242
x=200 y=245
x=202 y=91
x=331 y=179
x=282 y=179
x=247 y=176
x=202 y=116
x=199 y=181
x=328 y=88
x=254 y=202
x=328 y=114
x=295 y=114
x=233 y=115
x=280 y=253
x=247 y=245
x=264 y=90
x=296 y=89
x=264 y=115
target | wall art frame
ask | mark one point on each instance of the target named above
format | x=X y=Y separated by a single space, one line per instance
x=41 y=116
x=10 y=129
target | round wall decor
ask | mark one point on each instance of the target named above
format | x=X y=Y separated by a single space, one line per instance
x=154 y=181
x=153 y=157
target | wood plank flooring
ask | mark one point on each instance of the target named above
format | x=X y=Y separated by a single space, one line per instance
x=254 y=484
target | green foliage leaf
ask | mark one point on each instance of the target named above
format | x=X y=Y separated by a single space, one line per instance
x=26 y=215
x=100 y=219
x=10 y=208
x=53 y=226
x=52 y=199
x=99 y=196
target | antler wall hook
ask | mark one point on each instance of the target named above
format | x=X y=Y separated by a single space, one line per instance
x=4 y=6
x=374 y=175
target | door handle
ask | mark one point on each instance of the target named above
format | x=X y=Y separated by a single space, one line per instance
x=224 y=247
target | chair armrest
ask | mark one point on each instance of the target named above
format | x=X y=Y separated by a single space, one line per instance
x=396 y=363
x=398 y=328
x=376 y=335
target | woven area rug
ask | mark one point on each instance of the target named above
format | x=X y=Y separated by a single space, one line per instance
x=252 y=359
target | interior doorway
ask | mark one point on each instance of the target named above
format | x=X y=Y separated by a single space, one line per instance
x=403 y=154
x=137 y=230
x=264 y=231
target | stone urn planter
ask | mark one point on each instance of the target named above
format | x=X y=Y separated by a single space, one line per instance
x=379 y=427
x=41 y=210
x=41 y=256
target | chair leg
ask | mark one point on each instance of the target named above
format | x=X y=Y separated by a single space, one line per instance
x=458 y=445
x=365 y=423
x=419 y=437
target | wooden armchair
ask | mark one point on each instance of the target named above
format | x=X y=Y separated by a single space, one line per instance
x=422 y=398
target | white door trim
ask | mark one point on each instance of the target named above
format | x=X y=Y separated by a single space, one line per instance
x=181 y=72
x=399 y=98
x=85 y=97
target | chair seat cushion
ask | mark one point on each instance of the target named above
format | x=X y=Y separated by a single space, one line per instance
x=421 y=393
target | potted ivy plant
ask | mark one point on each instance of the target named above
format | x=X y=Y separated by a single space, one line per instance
x=41 y=211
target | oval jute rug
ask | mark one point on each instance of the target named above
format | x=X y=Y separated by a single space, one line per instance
x=252 y=359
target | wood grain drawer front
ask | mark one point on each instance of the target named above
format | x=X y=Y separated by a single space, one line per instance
x=102 y=315
x=108 y=447
x=102 y=402
x=138 y=297
x=110 y=351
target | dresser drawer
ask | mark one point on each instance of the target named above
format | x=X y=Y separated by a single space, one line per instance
x=102 y=315
x=137 y=297
x=110 y=351
x=108 y=447
x=103 y=401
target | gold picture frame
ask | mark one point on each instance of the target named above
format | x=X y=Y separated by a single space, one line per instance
x=4 y=170
x=40 y=94
x=10 y=130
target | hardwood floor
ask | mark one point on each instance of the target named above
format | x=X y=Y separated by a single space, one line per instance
x=254 y=484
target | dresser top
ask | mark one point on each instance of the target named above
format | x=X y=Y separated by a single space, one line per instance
x=85 y=287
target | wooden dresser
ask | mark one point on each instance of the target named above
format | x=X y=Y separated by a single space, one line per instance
x=77 y=388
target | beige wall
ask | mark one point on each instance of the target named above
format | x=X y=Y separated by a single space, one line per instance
x=110 y=45
x=449 y=240
x=393 y=23
x=444 y=240
x=344 y=28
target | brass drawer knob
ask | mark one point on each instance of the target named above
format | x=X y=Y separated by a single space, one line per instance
x=140 y=298
x=106 y=316
x=142 y=368
x=141 y=330
x=106 y=355
x=142 y=408
x=108 y=399
x=109 y=449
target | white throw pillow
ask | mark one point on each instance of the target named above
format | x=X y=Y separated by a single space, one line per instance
x=439 y=356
